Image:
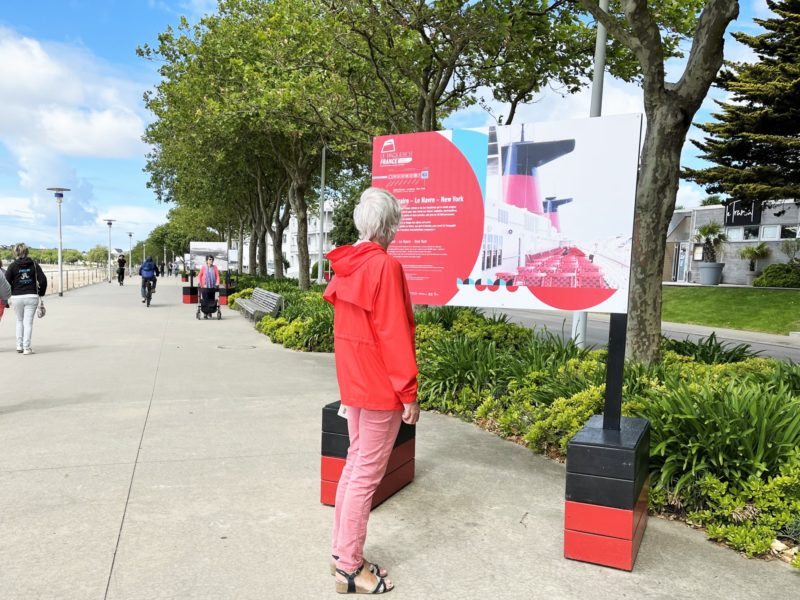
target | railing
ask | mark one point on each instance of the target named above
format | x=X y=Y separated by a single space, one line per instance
x=75 y=278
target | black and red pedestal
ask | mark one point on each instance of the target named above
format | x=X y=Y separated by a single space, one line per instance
x=607 y=484
x=336 y=441
x=224 y=292
x=190 y=295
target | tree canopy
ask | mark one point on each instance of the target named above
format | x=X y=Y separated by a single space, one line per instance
x=754 y=142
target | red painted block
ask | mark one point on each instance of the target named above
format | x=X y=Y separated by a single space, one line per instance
x=392 y=482
x=605 y=520
x=188 y=299
x=331 y=466
x=223 y=300
x=604 y=550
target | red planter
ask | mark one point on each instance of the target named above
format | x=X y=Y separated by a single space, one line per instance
x=190 y=295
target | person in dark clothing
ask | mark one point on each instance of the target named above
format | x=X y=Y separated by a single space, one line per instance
x=149 y=272
x=121 y=262
x=28 y=283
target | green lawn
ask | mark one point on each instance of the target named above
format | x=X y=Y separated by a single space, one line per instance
x=752 y=309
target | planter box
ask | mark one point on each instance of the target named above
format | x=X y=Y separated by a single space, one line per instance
x=605 y=514
x=190 y=295
x=336 y=441
x=224 y=293
x=710 y=273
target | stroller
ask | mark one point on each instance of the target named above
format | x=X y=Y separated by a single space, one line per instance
x=207 y=304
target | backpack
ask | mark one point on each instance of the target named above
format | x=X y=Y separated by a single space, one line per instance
x=148 y=270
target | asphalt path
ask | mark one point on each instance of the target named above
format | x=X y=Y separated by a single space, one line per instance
x=782 y=347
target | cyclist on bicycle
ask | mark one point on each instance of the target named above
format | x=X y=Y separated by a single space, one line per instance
x=149 y=272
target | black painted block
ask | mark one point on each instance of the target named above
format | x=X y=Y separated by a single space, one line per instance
x=597 y=451
x=335 y=438
x=608 y=468
x=605 y=491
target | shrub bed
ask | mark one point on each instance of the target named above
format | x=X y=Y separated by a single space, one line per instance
x=786 y=275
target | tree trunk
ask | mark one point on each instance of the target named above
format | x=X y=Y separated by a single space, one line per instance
x=262 y=252
x=240 y=249
x=283 y=215
x=297 y=198
x=251 y=254
x=658 y=180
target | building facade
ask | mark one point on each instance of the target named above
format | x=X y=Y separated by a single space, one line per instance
x=744 y=226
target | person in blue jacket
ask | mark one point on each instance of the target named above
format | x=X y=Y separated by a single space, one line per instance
x=149 y=272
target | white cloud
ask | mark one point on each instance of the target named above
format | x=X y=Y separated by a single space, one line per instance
x=689 y=195
x=59 y=103
x=108 y=133
x=64 y=99
x=138 y=217
x=17 y=208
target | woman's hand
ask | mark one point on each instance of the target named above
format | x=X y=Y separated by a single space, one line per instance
x=411 y=413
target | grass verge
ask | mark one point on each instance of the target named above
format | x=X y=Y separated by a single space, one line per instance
x=750 y=309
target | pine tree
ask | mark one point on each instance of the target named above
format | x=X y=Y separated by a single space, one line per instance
x=755 y=141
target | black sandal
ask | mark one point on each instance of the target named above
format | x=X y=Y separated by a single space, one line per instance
x=351 y=587
x=374 y=568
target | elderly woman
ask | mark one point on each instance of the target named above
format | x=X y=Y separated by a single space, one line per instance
x=209 y=282
x=28 y=283
x=377 y=371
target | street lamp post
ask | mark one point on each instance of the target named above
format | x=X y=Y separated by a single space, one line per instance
x=59 y=194
x=109 y=222
x=321 y=246
x=130 y=253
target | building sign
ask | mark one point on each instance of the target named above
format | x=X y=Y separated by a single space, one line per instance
x=743 y=212
x=535 y=216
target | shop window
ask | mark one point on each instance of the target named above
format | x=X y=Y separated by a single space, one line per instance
x=788 y=232
x=735 y=234
x=769 y=232
x=751 y=232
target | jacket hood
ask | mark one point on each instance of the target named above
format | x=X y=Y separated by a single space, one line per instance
x=347 y=259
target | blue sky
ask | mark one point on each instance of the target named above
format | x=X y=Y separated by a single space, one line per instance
x=72 y=115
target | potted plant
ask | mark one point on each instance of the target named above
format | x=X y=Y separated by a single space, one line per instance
x=184 y=277
x=712 y=235
x=753 y=254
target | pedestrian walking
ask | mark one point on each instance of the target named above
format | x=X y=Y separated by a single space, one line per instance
x=376 y=368
x=5 y=290
x=28 y=284
x=121 y=262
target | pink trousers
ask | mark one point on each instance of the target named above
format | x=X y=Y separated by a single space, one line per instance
x=372 y=436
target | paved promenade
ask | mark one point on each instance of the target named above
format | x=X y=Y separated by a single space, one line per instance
x=147 y=455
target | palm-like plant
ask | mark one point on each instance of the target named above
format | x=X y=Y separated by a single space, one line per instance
x=754 y=253
x=712 y=235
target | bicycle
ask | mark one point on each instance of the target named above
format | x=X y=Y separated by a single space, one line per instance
x=148 y=292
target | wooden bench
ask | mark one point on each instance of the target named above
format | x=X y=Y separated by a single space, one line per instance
x=261 y=303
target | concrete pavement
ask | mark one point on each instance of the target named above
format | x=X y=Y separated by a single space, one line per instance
x=148 y=455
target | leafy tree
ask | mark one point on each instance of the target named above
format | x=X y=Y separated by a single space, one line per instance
x=712 y=200
x=98 y=255
x=649 y=30
x=712 y=235
x=755 y=141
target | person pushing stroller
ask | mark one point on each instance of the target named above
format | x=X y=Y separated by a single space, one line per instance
x=208 y=282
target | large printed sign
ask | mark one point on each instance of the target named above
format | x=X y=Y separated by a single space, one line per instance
x=536 y=216
x=199 y=250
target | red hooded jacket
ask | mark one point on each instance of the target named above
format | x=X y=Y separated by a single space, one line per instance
x=373 y=328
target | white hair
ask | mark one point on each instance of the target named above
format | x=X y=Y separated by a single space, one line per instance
x=377 y=216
